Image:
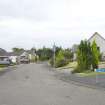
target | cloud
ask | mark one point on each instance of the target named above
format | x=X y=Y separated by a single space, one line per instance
x=28 y=23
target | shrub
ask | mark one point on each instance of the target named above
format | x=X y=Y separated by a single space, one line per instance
x=87 y=56
x=44 y=54
x=59 y=60
x=84 y=56
x=95 y=56
x=68 y=54
x=76 y=70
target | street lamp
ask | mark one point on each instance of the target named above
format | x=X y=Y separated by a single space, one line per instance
x=54 y=50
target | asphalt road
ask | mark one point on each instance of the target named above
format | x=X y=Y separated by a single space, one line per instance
x=36 y=84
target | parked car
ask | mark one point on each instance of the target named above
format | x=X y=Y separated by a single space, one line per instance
x=4 y=60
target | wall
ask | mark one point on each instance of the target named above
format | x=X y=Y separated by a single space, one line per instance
x=100 y=42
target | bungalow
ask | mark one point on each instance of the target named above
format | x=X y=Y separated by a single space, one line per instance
x=14 y=56
x=100 y=41
x=22 y=56
x=32 y=55
x=4 y=59
x=17 y=57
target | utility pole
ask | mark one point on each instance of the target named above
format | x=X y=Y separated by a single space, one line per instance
x=54 y=50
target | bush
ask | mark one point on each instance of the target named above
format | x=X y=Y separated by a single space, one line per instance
x=87 y=56
x=76 y=70
x=95 y=56
x=59 y=60
x=84 y=56
x=68 y=54
x=44 y=54
x=2 y=66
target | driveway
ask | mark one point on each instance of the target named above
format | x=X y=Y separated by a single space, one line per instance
x=36 y=84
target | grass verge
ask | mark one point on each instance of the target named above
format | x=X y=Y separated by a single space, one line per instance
x=90 y=74
x=70 y=65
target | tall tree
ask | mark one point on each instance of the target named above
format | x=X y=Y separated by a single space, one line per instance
x=95 y=55
x=84 y=56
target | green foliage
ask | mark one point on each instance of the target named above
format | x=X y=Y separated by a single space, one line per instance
x=57 y=50
x=3 y=65
x=17 y=49
x=95 y=55
x=60 y=59
x=84 y=56
x=87 y=56
x=44 y=53
x=68 y=54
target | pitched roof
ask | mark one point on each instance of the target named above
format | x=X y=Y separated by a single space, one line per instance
x=31 y=52
x=3 y=52
x=96 y=33
x=24 y=54
x=15 y=53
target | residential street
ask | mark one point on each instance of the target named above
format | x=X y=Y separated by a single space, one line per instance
x=36 y=84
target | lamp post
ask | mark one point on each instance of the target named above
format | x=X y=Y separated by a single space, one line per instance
x=54 y=50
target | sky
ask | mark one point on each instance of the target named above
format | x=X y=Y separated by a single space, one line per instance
x=38 y=23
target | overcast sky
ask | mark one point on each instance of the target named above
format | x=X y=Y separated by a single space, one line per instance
x=37 y=23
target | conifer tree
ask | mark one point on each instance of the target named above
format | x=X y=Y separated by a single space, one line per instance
x=84 y=56
x=95 y=55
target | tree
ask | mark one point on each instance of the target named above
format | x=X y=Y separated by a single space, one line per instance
x=57 y=49
x=44 y=53
x=15 y=49
x=60 y=59
x=84 y=56
x=87 y=56
x=95 y=55
x=68 y=54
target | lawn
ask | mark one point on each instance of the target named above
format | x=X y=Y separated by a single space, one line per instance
x=90 y=74
x=70 y=65
x=2 y=66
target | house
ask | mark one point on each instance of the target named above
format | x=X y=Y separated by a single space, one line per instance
x=4 y=59
x=100 y=41
x=18 y=57
x=14 y=56
x=22 y=56
x=32 y=55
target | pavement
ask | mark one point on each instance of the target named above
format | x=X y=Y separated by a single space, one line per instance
x=94 y=81
x=38 y=84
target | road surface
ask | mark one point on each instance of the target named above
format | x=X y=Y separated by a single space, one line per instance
x=35 y=84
